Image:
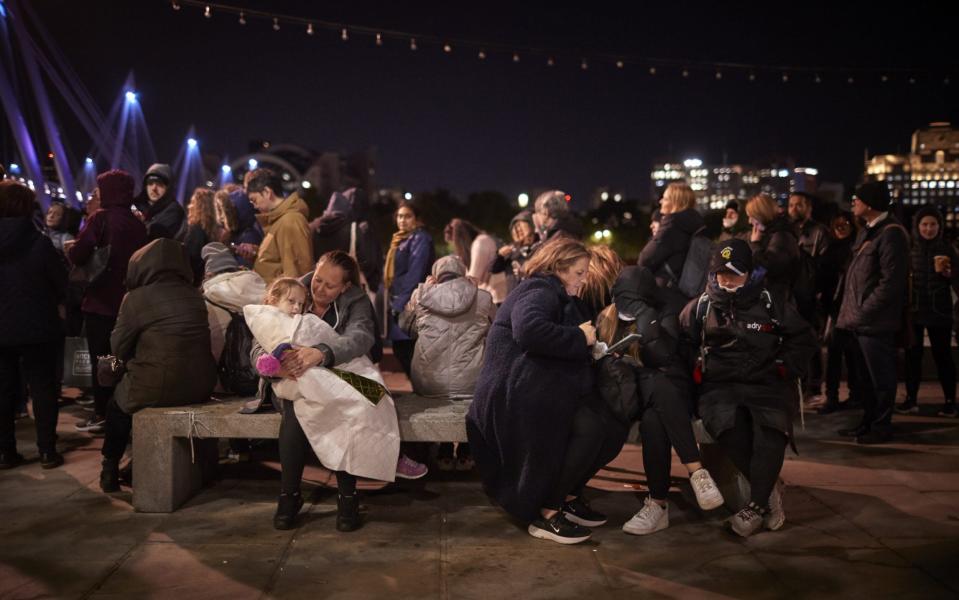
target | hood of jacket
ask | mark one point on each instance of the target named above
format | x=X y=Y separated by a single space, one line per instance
x=292 y=203
x=927 y=211
x=15 y=235
x=742 y=298
x=688 y=221
x=449 y=299
x=160 y=170
x=162 y=260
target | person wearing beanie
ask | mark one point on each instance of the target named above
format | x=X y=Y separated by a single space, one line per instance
x=734 y=224
x=752 y=349
x=934 y=274
x=115 y=226
x=511 y=257
x=156 y=205
x=874 y=295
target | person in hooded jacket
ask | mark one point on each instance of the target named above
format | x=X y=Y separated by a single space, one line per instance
x=665 y=253
x=157 y=207
x=115 y=226
x=752 y=350
x=935 y=273
x=345 y=226
x=287 y=248
x=774 y=244
x=651 y=381
x=239 y=228
x=449 y=316
x=163 y=338
x=34 y=287
x=511 y=257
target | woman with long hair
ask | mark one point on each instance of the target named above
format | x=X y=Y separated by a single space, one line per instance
x=604 y=267
x=201 y=229
x=775 y=245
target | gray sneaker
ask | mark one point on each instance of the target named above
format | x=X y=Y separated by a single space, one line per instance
x=747 y=521
x=650 y=519
x=776 y=517
x=707 y=494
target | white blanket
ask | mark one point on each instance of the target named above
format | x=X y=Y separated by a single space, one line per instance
x=347 y=431
x=231 y=291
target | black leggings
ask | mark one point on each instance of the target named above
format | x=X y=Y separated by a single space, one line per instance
x=757 y=451
x=117 y=431
x=596 y=438
x=940 y=338
x=294 y=448
x=99 y=328
x=664 y=424
x=843 y=345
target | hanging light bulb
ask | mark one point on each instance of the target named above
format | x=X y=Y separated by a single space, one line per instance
x=309 y=29
x=379 y=39
x=945 y=81
x=276 y=24
x=412 y=43
x=785 y=78
x=515 y=57
x=176 y=5
x=344 y=35
x=685 y=73
x=652 y=70
x=850 y=81
x=619 y=64
x=550 y=62
x=207 y=12
x=884 y=78
x=818 y=79
x=242 y=18
x=447 y=48
x=912 y=80
x=481 y=54
x=752 y=77
x=719 y=74
x=583 y=65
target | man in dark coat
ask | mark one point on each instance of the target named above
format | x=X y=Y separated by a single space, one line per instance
x=874 y=294
x=31 y=296
x=163 y=337
x=157 y=207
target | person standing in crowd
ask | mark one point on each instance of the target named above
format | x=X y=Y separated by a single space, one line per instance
x=665 y=253
x=552 y=216
x=157 y=207
x=345 y=226
x=408 y=262
x=477 y=250
x=449 y=316
x=56 y=225
x=774 y=244
x=511 y=257
x=163 y=338
x=92 y=205
x=934 y=273
x=114 y=226
x=734 y=225
x=236 y=220
x=336 y=297
x=813 y=237
x=874 y=295
x=201 y=229
x=752 y=349
x=535 y=425
x=287 y=247
x=656 y=371
x=840 y=344
x=31 y=312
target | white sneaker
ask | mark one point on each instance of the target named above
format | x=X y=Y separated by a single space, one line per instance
x=650 y=519
x=707 y=494
x=776 y=517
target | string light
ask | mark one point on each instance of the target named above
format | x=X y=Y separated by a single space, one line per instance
x=619 y=64
x=379 y=39
x=447 y=48
x=912 y=80
x=850 y=81
x=550 y=62
x=242 y=18
x=309 y=29
x=207 y=12
x=818 y=79
x=344 y=35
x=583 y=65
x=752 y=77
x=652 y=70
x=176 y=5
x=945 y=81
x=412 y=43
x=481 y=54
x=515 y=57
x=685 y=73
x=719 y=75
x=884 y=78
x=785 y=77
x=276 y=24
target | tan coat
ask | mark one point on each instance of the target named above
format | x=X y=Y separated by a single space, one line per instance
x=287 y=246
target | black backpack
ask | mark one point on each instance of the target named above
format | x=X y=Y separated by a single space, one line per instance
x=692 y=279
x=237 y=374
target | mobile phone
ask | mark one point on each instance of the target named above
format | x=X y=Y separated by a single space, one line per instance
x=624 y=343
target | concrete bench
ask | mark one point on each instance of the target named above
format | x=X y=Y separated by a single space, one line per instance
x=176 y=450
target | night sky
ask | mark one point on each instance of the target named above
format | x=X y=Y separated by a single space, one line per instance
x=453 y=121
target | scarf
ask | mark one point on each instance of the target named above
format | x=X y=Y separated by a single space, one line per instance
x=389 y=267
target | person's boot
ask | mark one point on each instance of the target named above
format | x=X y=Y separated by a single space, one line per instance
x=287 y=507
x=110 y=475
x=347 y=513
x=831 y=405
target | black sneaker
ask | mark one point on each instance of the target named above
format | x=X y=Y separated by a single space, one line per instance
x=287 y=507
x=558 y=529
x=909 y=407
x=578 y=511
x=347 y=513
x=10 y=459
x=110 y=476
x=50 y=460
x=948 y=410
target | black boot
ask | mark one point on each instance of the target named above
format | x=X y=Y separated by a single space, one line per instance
x=347 y=513
x=110 y=476
x=831 y=405
x=287 y=507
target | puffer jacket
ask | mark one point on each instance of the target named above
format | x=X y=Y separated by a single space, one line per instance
x=450 y=321
x=665 y=253
x=162 y=333
x=778 y=253
x=287 y=247
x=931 y=296
x=874 y=286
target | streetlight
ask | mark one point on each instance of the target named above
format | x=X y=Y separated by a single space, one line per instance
x=523 y=200
x=131 y=97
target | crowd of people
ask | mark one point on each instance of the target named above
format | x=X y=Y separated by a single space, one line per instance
x=558 y=347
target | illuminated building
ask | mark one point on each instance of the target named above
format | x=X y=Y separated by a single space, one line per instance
x=717 y=185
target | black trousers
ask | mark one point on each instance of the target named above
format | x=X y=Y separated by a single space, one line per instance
x=37 y=363
x=758 y=452
x=940 y=338
x=403 y=351
x=842 y=346
x=596 y=438
x=99 y=328
x=877 y=379
x=119 y=426
x=665 y=424
x=294 y=450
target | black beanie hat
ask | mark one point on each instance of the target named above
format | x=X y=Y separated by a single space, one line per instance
x=733 y=255
x=874 y=194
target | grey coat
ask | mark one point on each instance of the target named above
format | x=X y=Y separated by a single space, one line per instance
x=449 y=321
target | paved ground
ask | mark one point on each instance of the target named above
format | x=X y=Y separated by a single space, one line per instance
x=863 y=522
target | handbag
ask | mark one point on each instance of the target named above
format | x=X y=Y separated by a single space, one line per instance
x=77 y=368
x=92 y=270
x=110 y=370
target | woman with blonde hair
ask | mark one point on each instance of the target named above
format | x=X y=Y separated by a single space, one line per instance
x=604 y=268
x=665 y=253
x=201 y=229
x=535 y=425
x=774 y=243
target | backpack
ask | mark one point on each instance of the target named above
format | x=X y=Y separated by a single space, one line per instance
x=692 y=279
x=235 y=370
